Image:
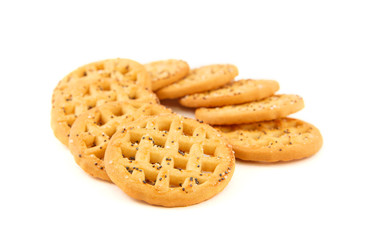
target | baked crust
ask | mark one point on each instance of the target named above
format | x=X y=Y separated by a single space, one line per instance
x=166 y=72
x=169 y=160
x=283 y=139
x=236 y=92
x=270 y=108
x=200 y=80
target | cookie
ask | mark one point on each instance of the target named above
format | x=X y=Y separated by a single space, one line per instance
x=123 y=70
x=273 y=107
x=75 y=98
x=283 y=139
x=169 y=160
x=166 y=72
x=200 y=80
x=93 y=129
x=237 y=92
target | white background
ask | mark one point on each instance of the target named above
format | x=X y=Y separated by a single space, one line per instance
x=321 y=50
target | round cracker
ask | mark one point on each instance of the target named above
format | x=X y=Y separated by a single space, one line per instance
x=166 y=72
x=169 y=161
x=273 y=107
x=200 y=80
x=121 y=69
x=283 y=139
x=236 y=92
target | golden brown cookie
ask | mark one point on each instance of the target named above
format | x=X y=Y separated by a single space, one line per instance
x=169 y=160
x=283 y=139
x=166 y=72
x=236 y=92
x=93 y=129
x=75 y=98
x=273 y=107
x=200 y=80
x=123 y=70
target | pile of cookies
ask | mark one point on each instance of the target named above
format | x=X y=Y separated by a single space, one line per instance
x=248 y=113
x=108 y=114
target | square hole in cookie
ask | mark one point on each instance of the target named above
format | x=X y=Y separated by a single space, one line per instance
x=180 y=162
x=135 y=137
x=184 y=148
x=110 y=130
x=90 y=141
x=159 y=142
x=70 y=121
x=87 y=91
x=164 y=126
x=104 y=86
x=176 y=182
x=68 y=109
x=209 y=150
x=188 y=130
x=99 y=121
x=128 y=152
x=208 y=167
x=117 y=111
x=155 y=157
x=133 y=95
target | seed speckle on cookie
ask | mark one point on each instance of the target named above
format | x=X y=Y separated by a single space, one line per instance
x=199 y=80
x=236 y=92
x=273 y=107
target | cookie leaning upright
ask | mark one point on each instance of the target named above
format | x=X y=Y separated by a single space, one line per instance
x=169 y=160
x=93 y=129
x=200 y=80
x=236 y=92
x=93 y=85
x=283 y=139
x=276 y=106
x=166 y=72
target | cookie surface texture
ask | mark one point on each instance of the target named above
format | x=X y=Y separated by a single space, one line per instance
x=93 y=129
x=73 y=99
x=200 y=80
x=169 y=161
x=236 y=92
x=283 y=139
x=270 y=108
x=166 y=72
x=121 y=69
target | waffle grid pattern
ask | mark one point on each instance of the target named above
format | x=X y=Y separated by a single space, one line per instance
x=170 y=154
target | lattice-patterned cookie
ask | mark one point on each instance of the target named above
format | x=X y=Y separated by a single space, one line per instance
x=91 y=91
x=200 y=80
x=271 y=141
x=166 y=72
x=123 y=70
x=169 y=160
x=237 y=92
x=93 y=129
x=270 y=108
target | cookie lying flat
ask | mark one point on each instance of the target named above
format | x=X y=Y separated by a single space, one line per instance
x=166 y=72
x=73 y=99
x=169 y=160
x=123 y=70
x=93 y=129
x=236 y=92
x=283 y=139
x=200 y=80
x=273 y=107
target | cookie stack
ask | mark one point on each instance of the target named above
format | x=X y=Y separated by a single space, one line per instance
x=108 y=114
x=114 y=126
x=248 y=113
